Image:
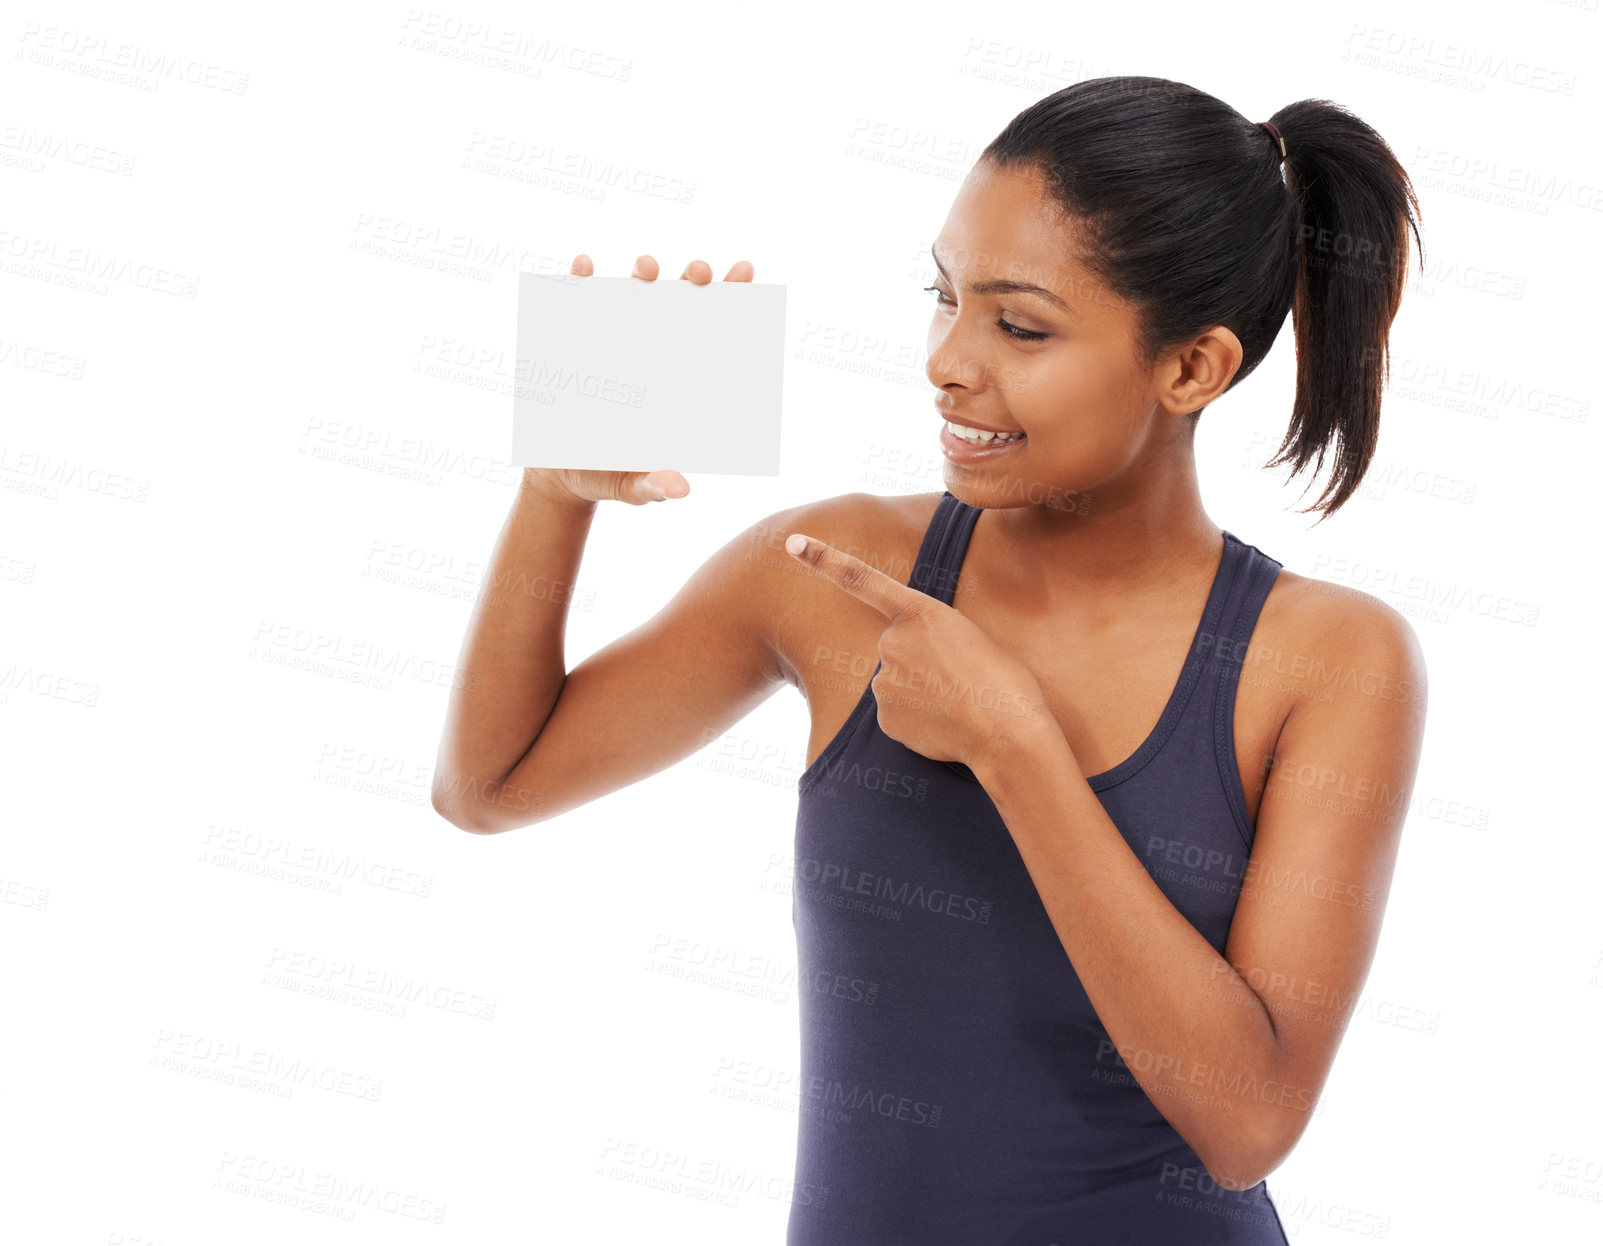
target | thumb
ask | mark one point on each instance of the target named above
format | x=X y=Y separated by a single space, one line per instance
x=658 y=486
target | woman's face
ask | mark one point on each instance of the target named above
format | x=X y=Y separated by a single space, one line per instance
x=1058 y=366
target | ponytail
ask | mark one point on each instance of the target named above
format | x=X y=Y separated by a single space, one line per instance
x=1188 y=215
x=1355 y=207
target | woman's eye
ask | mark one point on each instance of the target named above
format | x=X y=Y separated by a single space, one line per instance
x=1025 y=335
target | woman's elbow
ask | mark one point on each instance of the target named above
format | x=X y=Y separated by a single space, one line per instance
x=465 y=812
x=1246 y=1156
x=487 y=808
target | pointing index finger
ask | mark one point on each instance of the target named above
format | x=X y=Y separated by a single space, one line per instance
x=863 y=582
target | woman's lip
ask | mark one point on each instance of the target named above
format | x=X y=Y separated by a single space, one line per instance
x=960 y=451
x=979 y=428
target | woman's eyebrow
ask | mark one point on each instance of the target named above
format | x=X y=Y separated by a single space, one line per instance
x=1008 y=287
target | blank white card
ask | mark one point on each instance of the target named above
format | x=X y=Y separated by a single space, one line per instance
x=624 y=374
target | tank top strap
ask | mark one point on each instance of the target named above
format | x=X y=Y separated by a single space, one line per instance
x=1224 y=653
x=940 y=555
x=1247 y=575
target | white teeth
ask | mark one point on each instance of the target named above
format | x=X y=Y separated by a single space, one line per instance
x=979 y=436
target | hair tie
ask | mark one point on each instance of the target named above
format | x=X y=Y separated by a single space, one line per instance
x=1276 y=135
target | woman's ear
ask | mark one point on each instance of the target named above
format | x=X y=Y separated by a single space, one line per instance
x=1195 y=374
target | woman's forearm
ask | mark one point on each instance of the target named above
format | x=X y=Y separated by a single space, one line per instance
x=512 y=664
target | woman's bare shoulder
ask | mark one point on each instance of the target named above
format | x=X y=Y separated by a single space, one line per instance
x=1326 y=633
x=883 y=531
x=873 y=527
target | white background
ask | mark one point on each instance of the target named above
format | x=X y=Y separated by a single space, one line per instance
x=242 y=439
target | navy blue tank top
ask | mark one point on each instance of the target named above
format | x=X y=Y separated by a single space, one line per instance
x=958 y=1089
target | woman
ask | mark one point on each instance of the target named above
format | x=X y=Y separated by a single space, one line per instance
x=1089 y=876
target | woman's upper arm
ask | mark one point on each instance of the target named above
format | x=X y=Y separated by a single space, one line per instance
x=664 y=690
x=1328 y=830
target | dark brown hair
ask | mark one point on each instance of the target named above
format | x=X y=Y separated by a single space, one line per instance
x=1184 y=210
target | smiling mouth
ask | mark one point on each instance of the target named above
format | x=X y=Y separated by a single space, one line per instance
x=978 y=437
x=966 y=453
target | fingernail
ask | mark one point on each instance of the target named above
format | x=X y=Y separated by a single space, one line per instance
x=795 y=544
